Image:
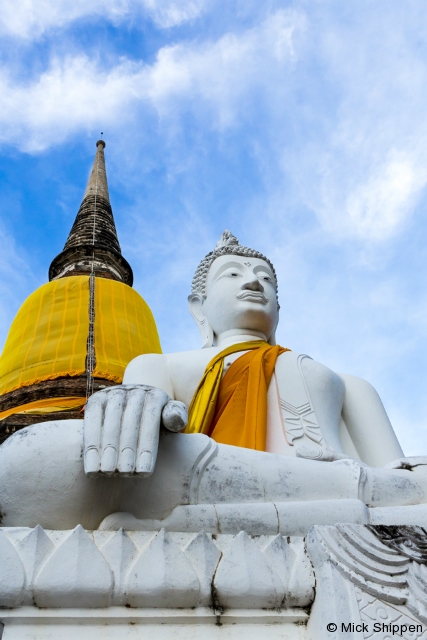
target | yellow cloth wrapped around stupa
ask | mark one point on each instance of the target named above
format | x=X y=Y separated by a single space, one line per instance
x=124 y=328
x=48 y=337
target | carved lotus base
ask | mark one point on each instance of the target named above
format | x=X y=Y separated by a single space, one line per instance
x=111 y=585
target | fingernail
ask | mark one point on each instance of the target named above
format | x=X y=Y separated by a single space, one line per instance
x=145 y=462
x=109 y=459
x=91 y=462
x=126 y=461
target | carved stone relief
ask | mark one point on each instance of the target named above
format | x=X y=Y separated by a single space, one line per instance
x=63 y=569
x=377 y=578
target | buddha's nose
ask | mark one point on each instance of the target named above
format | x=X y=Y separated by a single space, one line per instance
x=253 y=285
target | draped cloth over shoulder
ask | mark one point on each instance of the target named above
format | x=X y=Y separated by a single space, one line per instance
x=233 y=409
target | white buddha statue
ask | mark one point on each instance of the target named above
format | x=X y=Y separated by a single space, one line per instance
x=266 y=426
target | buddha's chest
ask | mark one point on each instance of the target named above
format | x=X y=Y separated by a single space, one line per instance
x=308 y=401
x=304 y=400
x=188 y=373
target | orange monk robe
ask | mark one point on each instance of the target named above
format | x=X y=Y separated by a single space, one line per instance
x=233 y=409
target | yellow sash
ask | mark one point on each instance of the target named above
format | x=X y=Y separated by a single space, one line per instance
x=241 y=417
x=46 y=405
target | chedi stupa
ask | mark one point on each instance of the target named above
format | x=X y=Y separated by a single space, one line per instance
x=239 y=490
x=75 y=334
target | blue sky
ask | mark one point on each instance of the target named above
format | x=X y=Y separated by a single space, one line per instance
x=300 y=126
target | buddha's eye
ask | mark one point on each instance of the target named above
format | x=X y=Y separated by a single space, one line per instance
x=229 y=273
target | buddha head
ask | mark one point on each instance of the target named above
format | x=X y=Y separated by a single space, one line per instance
x=234 y=290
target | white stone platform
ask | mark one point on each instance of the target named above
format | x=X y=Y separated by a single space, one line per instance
x=58 y=585
x=117 y=623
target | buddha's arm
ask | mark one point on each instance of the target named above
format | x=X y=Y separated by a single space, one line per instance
x=151 y=369
x=368 y=424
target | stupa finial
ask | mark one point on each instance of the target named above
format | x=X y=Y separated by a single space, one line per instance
x=93 y=245
x=97 y=183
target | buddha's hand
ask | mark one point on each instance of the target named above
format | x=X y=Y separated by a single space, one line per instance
x=121 y=429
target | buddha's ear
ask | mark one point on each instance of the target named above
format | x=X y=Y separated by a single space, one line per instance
x=195 y=304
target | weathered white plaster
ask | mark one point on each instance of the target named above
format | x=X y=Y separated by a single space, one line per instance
x=246 y=579
x=288 y=518
x=76 y=574
x=204 y=557
x=153 y=569
x=135 y=463
x=207 y=547
x=120 y=553
x=294 y=570
x=411 y=515
x=163 y=576
x=12 y=574
x=181 y=624
x=371 y=575
x=183 y=585
x=33 y=550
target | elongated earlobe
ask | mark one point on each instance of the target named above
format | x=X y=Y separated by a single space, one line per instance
x=206 y=334
x=195 y=304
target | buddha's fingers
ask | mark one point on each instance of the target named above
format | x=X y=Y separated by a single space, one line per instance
x=130 y=431
x=148 y=441
x=175 y=416
x=111 y=430
x=94 y=417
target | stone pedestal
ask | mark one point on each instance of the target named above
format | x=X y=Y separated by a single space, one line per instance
x=343 y=581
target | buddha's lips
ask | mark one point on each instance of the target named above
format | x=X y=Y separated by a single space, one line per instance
x=255 y=296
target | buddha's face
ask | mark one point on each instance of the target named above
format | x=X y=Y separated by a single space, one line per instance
x=241 y=294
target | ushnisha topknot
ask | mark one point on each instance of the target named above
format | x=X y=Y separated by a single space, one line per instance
x=227 y=245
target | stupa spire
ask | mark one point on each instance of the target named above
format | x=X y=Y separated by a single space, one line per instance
x=97 y=183
x=92 y=245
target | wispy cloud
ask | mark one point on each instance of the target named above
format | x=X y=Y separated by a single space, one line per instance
x=33 y=18
x=170 y=13
x=72 y=94
x=361 y=175
x=303 y=130
x=378 y=207
x=364 y=166
x=76 y=92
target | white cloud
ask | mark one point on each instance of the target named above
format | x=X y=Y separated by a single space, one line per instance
x=333 y=119
x=378 y=207
x=77 y=92
x=72 y=94
x=335 y=122
x=32 y=18
x=364 y=165
x=170 y=13
x=370 y=193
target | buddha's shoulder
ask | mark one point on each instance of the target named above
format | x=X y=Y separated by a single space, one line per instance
x=321 y=376
x=175 y=360
x=310 y=368
x=189 y=359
